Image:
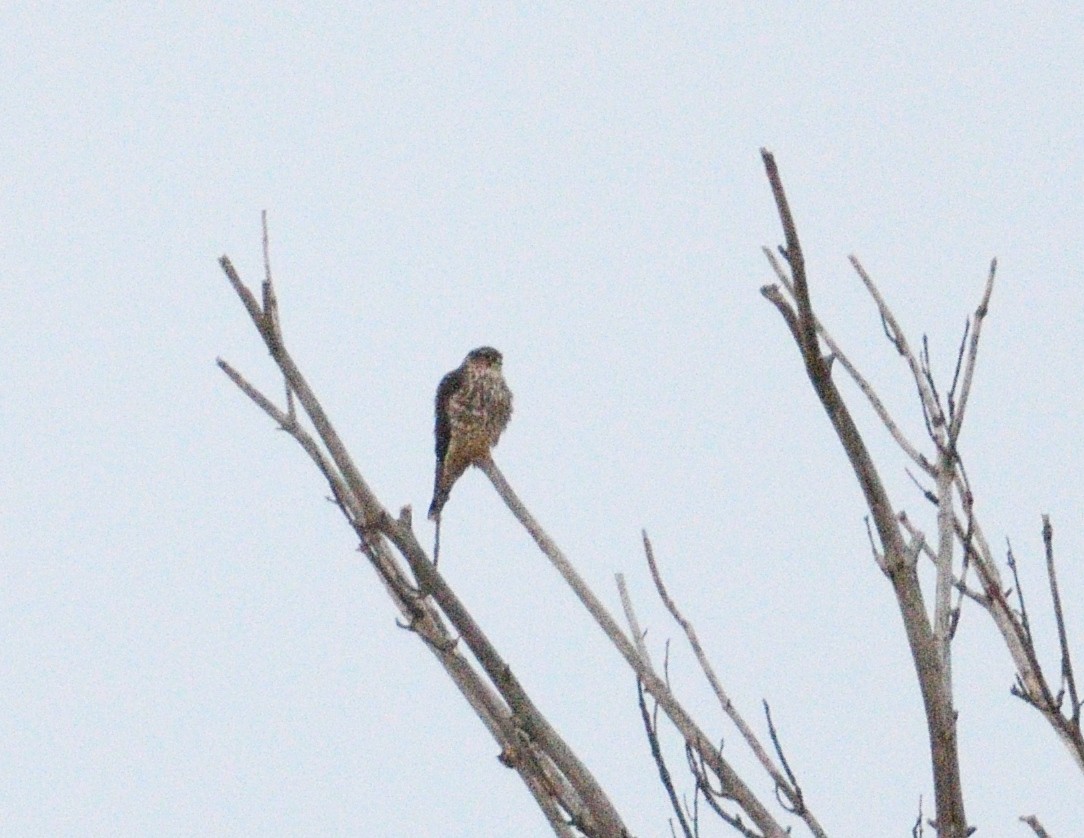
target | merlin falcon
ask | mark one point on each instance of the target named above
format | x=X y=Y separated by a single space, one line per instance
x=472 y=410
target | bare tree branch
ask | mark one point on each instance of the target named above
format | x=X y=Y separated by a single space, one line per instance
x=972 y=355
x=1067 y=676
x=926 y=653
x=860 y=380
x=1031 y=685
x=695 y=738
x=944 y=424
x=951 y=397
x=630 y=615
x=570 y=798
x=789 y=788
x=652 y=731
x=1036 y=827
x=918 y=829
x=554 y=775
x=1025 y=623
x=929 y=404
x=774 y=734
x=942 y=621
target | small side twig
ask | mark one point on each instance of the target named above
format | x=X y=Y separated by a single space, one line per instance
x=772 y=294
x=634 y=623
x=690 y=731
x=878 y=557
x=1067 y=676
x=956 y=373
x=779 y=752
x=712 y=796
x=1036 y=827
x=784 y=784
x=651 y=728
x=899 y=340
x=927 y=372
x=1010 y=560
x=972 y=354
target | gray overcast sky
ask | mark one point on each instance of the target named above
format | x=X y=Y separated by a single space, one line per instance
x=189 y=644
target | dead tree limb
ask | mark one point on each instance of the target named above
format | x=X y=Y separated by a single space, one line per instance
x=957 y=524
x=785 y=783
x=732 y=785
x=1068 y=678
x=651 y=729
x=1036 y=827
x=569 y=796
x=928 y=651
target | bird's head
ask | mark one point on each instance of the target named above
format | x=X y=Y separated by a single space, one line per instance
x=485 y=356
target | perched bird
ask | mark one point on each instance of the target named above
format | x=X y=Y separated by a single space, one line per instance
x=472 y=410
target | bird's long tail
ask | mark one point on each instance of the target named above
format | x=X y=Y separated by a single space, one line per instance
x=440 y=496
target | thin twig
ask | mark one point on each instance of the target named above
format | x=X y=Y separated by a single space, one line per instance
x=899 y=340
x=927 y=494
x=972 y=354
x=774 y=734
x=938 y=414
x=1010 y=560
x=546 y=764
x=1066 y=663
x=690 y=731
x=789 y=788
x=289 y=424
x=951 y=398
x=860 y=380
x=634 y=623
x=712 y=796
x=878 y=557
x=652 y=731
x=1036 y=827
x=917 y=829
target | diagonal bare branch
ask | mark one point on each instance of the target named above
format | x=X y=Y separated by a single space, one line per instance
x=694 y=737
x=849 y=367
x=630 y=616
x=556 y=778
x=788 y=787
x=1036 y=827
x=652 y=731
x=928 y=662
x=1068 y=678
x=930 y=407
x=972 y=355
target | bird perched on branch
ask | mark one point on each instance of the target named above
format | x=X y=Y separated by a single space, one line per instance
x=472 y=410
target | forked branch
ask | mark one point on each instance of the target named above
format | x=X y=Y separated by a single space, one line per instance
x=943 y=414
x=928 y=650
x=569 y=797
x=785 y=783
